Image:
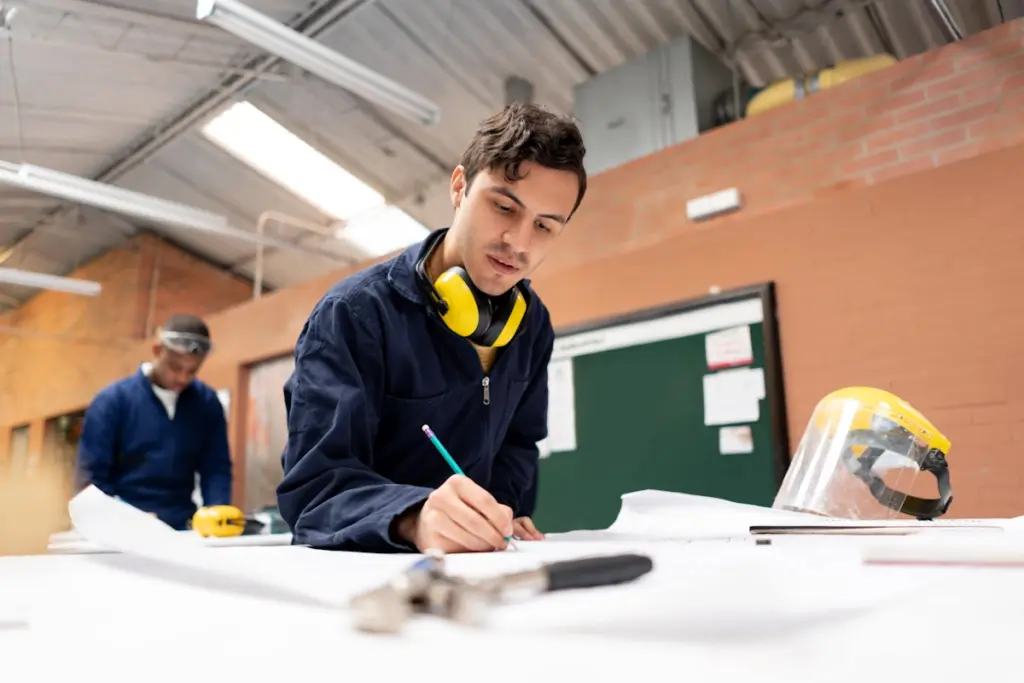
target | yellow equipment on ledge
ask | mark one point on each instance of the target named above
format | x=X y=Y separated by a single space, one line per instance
x=220 y=521
x=781 y=92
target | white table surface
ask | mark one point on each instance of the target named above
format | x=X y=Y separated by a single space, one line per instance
x=801 y=609
x=717 y=607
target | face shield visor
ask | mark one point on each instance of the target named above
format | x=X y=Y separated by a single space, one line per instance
x=185 y=342
x=865 y=455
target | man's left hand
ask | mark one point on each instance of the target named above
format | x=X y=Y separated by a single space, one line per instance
x=522 y=527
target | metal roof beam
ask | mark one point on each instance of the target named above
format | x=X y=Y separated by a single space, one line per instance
x=115 y=12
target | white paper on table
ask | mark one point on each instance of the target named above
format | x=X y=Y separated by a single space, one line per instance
x=687 y=516
x=733 y=396
x=114 y=524
x=735 y=440
x=728 y=348
x=670 y=514
x=964 y=549
x=824 y=525
x=561 y=407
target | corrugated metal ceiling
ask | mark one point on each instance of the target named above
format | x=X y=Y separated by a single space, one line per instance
x=92 y=87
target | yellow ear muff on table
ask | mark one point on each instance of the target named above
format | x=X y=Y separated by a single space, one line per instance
x=218 y=521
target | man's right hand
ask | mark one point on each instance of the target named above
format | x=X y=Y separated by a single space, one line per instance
x=459 y=516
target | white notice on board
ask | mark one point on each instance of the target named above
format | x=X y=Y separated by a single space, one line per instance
x=735 y=440
x=733 y=396
x=561 y=407
x=729 y=348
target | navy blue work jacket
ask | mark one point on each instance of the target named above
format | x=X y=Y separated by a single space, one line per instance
x=132 y=449
x=373 y=364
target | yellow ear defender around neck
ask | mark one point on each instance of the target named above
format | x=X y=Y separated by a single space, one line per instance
x=467 y=311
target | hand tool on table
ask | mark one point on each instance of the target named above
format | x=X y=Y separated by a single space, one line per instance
x=426 y=588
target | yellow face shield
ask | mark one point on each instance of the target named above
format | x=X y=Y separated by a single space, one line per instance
x=861 y=457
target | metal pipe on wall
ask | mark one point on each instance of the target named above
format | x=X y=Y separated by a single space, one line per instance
x=154 y=285
x=283 y=219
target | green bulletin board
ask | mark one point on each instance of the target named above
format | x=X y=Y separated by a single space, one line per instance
x=684 y=398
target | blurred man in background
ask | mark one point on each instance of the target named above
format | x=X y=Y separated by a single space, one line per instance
x=147 y=436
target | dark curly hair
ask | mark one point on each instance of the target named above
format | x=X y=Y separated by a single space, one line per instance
x=526 y=132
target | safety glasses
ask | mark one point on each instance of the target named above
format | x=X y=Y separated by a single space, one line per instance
x=186 y=342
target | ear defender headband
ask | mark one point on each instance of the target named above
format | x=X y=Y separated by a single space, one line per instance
x=468 y=312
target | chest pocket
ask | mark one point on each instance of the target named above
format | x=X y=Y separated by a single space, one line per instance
x=505 y=402
x=401 y=418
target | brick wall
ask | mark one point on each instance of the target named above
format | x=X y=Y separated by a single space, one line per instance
x=936 y=108
x=859 y=209
x=911 y=285
x=57 y=349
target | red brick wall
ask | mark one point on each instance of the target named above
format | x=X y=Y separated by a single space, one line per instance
x=913 y=285
x=962 y=100
x=57 y=344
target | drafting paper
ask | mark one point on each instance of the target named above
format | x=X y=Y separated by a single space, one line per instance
x=116 y=525
x=959 y=550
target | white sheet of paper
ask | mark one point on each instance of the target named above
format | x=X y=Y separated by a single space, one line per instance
x=756 y=377
x=949 y=550
x=733 y=396
x=729 y=348
x=668 y=514
x=735 y=440
x=114 y=524
x=561 y=407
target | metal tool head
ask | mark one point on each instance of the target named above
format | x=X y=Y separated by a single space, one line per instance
x=455 y=599
x=382 y=610
x=468 y=604
x=386 y=608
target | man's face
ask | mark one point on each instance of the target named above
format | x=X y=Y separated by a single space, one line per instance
x=504 y=230
x=173 y=370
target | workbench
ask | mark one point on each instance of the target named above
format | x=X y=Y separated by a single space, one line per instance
x=802 y=608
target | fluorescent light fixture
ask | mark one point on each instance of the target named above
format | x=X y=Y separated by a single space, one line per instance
x=370 y=225
x=383 y=230
x=290 y=45
x=274 y=151
x=109 y=197
x=53 y=283
x=147 y=207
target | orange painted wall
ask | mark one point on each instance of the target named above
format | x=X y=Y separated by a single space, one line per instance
x=859 y=203
x=57 y=349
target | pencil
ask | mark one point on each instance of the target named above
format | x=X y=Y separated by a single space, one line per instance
x=447 y=456
x=442 y=450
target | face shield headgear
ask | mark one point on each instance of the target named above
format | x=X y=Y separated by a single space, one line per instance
x=863 y=451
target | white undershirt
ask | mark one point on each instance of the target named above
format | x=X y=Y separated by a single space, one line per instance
x=168 y=397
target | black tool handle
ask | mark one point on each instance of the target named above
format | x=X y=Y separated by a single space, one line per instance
x=596 y=571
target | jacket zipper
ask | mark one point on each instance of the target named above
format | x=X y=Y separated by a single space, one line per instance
x=486 y=383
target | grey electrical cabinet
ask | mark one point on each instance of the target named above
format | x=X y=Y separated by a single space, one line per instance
x=656 y=100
